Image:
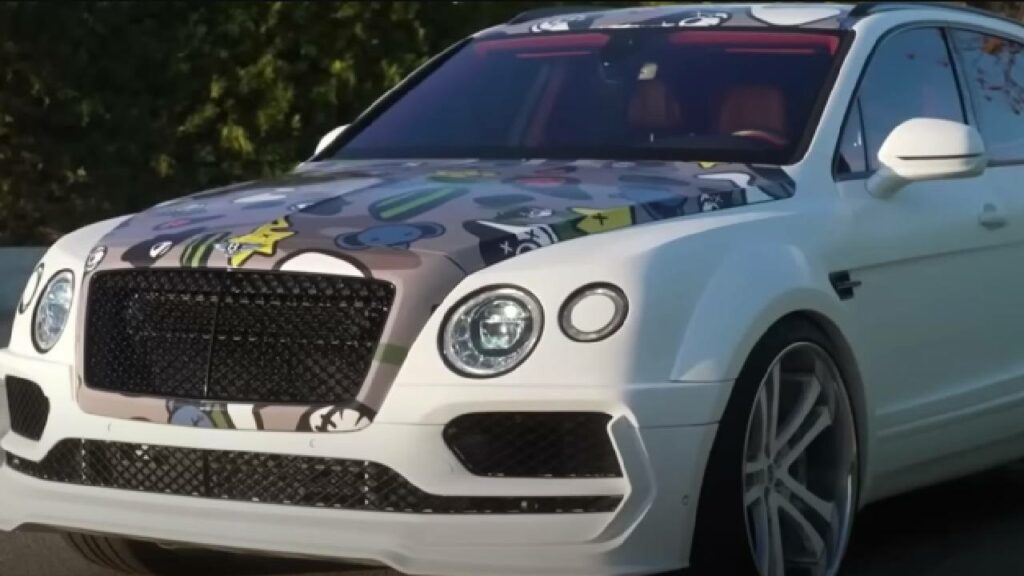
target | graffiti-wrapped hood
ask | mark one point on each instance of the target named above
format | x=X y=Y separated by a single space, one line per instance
x=387 y=215
x=420 y=225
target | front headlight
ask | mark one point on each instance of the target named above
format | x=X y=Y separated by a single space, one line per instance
x=52 y=310
x=492 y=331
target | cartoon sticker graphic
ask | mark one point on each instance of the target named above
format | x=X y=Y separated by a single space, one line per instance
x=183 y=413
x=787 y=16
x=197 y=252
x=752 y=190
x=147 y=252
x=502 y=241
x=334 y=419
x=413 y=203
x=657 y=202
x=466 y=175
x=500 y=200
x=261 y=200
x=595 y=221
x=689 y=19
x=659 y=197
x=709 y=202
x=262 y=240
x=525 y=213
x=389 y=236
x=328 y=207
x=551 y=185
x=561 y=24
x=704 y=19
x=322 y=262
x=185 y=221
x=182 y=209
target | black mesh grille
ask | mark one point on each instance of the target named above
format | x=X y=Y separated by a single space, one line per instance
x=274 y=479
x=233 y=335
x=541 y=444
x=28 y=407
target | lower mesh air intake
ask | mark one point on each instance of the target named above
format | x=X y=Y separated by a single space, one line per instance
x=273 y=478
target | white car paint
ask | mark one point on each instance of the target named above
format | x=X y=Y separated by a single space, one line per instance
x=931 y=344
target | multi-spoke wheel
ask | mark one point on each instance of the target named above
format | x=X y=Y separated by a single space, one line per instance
x=800 y=465
x=781 y=486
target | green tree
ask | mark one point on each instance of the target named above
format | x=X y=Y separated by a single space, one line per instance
x=106 y=108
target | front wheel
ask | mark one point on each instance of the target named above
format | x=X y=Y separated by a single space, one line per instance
x=780 y=490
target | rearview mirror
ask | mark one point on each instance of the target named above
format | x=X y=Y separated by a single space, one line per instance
x=328 y=138
x=927 y=149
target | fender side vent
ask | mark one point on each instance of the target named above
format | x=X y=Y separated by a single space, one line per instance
x=843 y=284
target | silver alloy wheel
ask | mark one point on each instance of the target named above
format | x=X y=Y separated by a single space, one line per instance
x=800 y=466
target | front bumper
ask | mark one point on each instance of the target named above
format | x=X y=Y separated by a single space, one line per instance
x=662 y=434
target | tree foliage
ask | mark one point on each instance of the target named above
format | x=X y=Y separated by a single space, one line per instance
x=108 y=107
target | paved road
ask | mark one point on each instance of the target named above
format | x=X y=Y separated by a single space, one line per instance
x=974 y=525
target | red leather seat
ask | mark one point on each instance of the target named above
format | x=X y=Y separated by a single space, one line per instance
x=753 y=108
x=653 y=108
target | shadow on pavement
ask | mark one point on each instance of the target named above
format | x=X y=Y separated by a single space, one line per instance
x=970 y=526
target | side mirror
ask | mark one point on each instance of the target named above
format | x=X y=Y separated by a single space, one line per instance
x=927 y=149
x=328 y=138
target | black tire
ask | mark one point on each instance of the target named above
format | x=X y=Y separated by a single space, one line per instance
x=137 y=557
x=720 y=538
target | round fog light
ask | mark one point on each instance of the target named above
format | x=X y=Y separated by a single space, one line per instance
x=593 y=312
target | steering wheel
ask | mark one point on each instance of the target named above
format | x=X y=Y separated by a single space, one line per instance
x=763 y=135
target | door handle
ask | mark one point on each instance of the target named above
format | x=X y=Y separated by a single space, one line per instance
x=991 y=217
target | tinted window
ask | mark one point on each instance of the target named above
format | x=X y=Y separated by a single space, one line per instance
x=994 y=69
x=851 y=157
x=683 y=95
x=909 y=76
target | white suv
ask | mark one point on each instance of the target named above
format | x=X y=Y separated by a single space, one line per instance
x=609 y=292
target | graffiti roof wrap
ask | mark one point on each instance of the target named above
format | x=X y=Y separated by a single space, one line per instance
x=818 y=17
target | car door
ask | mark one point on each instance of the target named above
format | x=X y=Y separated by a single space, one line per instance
x=930 y=311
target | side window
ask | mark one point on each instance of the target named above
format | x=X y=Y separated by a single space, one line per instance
x=910 y=76
x=851 y=157
x=994 y=69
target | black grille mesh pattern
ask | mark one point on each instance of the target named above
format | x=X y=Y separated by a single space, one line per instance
x=28 y=406
x=272 y=478
x=244 y=336
x=527 y=444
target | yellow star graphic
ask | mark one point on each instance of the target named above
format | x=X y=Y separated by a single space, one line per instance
x=262 y=240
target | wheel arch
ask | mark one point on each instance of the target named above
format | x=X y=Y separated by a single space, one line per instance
x=753 y=291
x=846 y=360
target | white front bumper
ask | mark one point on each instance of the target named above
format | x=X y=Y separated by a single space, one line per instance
x=662 y=434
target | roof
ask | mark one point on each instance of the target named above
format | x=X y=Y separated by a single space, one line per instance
x=809 y=16
x=824 y=16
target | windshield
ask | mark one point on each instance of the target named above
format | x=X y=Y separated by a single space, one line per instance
x=738 y=96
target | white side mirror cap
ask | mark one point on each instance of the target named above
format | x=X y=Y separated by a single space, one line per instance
x=328 y=138
x=927 y=149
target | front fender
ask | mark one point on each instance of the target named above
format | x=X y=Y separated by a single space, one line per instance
x=750 y=290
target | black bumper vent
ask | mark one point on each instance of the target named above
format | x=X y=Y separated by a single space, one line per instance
x=28 y=407
x=273 y=479
x=232 y=335
x=534 y=445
